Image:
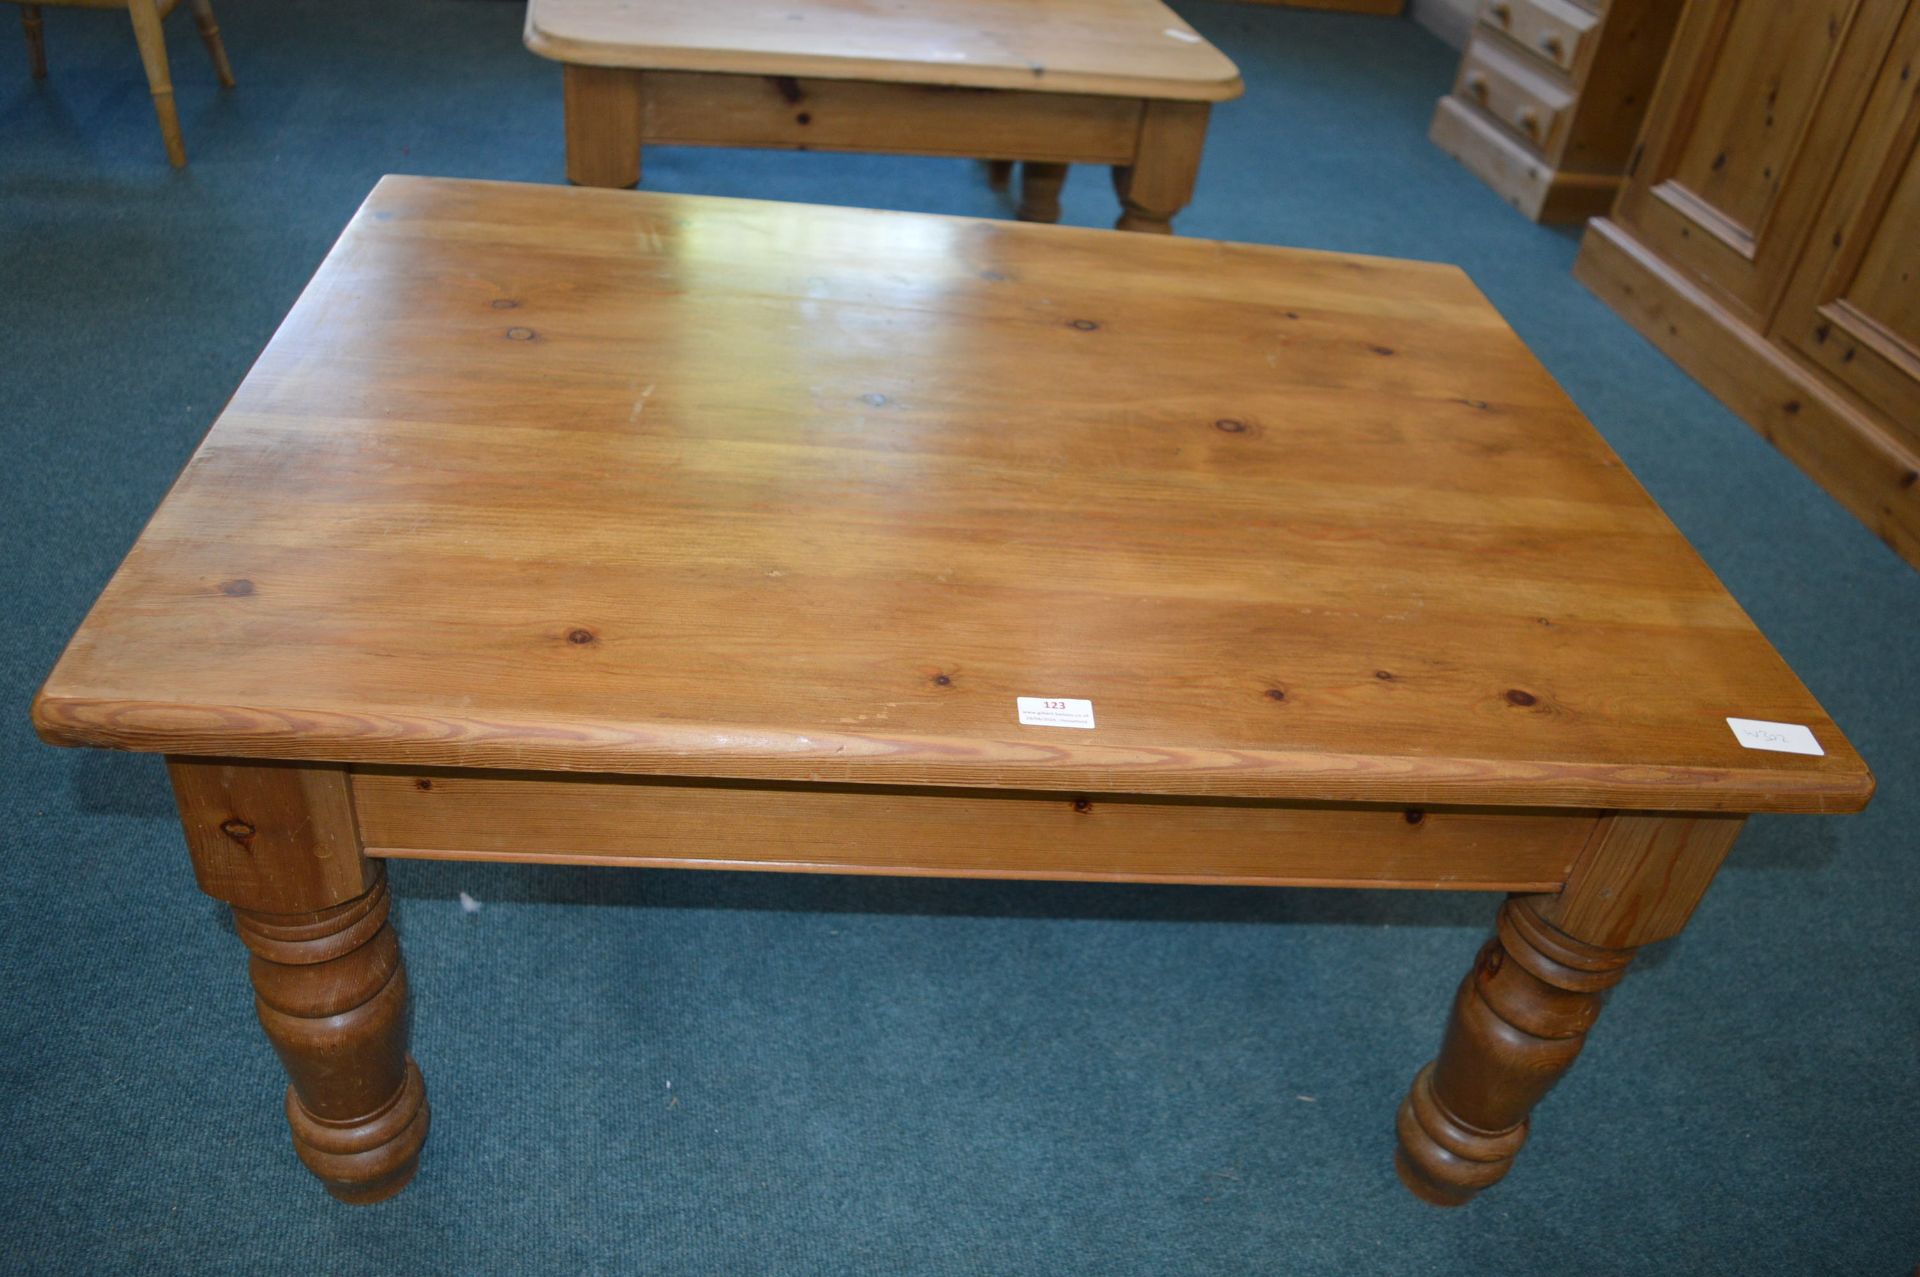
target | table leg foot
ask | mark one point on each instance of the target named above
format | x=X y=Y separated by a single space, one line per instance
x=1520 y=1018
x=603 y=106
x=1040 y=191
x=1159 y=182
x=331 y=991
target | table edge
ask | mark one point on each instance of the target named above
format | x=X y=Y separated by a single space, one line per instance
x=1037 y=762
x=834 y=67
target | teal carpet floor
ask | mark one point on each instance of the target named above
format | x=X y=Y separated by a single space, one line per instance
x=870 y=1075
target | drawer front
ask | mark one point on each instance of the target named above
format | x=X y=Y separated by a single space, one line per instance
x=1554 y=31
x=1524 y=101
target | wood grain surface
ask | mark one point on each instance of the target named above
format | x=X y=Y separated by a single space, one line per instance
x=549 y=478
x=1129 y=48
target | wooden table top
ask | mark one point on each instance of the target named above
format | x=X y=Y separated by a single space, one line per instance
x=1131 y=48
x=551 y=478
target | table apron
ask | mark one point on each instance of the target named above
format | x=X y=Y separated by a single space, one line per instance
x=706 y=109
x=670 y=822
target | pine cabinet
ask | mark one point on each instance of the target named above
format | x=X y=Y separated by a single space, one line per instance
x=1768 y=235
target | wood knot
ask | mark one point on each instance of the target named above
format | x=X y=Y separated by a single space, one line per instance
x=423 y=784
x=1385 y=676
x=1082 y=806
x=580 y=636
x=1083 y=325
x=874 y=401
x=237 y=588
x=942 y=680
x=503 y=303
x=1414 y=815
x=1381 y=350
x=1232 y=425
x=236 y=829
x=1517 y=697
x=519 y=334
x=1276 y=693
x=803 y=118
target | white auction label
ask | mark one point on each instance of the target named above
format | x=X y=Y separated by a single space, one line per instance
x=1782 y=738
x=1054 y=711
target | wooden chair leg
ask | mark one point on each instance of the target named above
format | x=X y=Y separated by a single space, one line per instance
x=999 y=174
x=1166 y=161
x=153 y=55
x=1040 y=191
x=210 y=36
x=36 y=40
x=603 y=125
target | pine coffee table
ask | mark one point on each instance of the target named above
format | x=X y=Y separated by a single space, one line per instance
x=1049 y=82
x=571 y=526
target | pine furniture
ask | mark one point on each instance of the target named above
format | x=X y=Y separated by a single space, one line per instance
x=1048 y=83
x=146 y=16
x=1549 y=99
x=1768 y=237
x=572 y=526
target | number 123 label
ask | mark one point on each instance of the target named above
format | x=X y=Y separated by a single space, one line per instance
x=1054 y=711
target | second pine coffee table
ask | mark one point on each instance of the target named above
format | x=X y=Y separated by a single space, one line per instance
x=576 y=526
x=1125 y=83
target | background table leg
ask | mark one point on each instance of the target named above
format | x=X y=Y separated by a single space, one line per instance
x=1523 y=1012
x=603 y=125
x=1159 y=182
x=279 y=844
x=1040 y=191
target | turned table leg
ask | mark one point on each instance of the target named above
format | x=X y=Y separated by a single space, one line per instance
x=279 y=843
x=1166 y=160
x=1522 y=1014
x=603 y=125
x=1040 y=191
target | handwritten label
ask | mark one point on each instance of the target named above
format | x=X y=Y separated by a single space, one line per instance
x=1054 y=711
x=1781 y=738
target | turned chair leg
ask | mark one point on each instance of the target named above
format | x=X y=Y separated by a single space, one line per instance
x=36 y=39
x=1040 y=191
x=153 y=55
x=210 y=36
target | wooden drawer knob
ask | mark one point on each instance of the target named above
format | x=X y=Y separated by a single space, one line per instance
x=1551 y=46
x=1529 y=121
x=1477 y=85
x=1501 y=13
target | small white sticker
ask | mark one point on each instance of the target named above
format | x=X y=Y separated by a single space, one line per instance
x=1178 y=34
x=1054 y=711
x=1781 y=738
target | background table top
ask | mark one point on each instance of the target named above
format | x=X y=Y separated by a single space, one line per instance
x=557 y=478
x=1132 y=48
